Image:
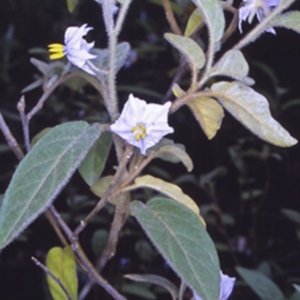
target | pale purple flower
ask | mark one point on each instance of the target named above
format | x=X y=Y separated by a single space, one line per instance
x=142 y=125
x=260 y=8
x=76 y=48
x=226 y=287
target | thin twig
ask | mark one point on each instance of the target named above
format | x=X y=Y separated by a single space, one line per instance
x=232 y=26
x=12 y=142
x=25 y=122
x=56 y=279
x=170 y=17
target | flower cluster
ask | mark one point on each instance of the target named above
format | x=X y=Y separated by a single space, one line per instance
x=260 y=8
x=226 y=287
x=76 y=48
x=142 y=125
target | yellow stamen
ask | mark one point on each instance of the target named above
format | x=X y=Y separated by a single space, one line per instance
x=139 y=132
x=56 y=51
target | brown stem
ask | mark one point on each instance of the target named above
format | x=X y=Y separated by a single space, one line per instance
x=231 y=28
x=12 y=142
x=91 y=271
x=56 y=279
x=118 y=175
x=121 y=213
x=170 y=17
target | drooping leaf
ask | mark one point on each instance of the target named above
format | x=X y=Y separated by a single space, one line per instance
x=252 y=110
x=213 y=16
x=289 y=20
x=189 y=48
x=140 y=290
x=155 y=279
x=292 y=215
x=167 y=150
x=42 y=174
x=61 y=262
x=43 y=67
x=264 y=287
x=209 y=113
x=178 y=235
x=33 y=85
x=194 y=22
x=297 y=287
x=168 y=189
x=92 y=166
x=234 y=65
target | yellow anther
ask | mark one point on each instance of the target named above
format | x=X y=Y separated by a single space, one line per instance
x=56 y=51
x=139 y=132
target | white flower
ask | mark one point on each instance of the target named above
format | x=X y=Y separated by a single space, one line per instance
x=141 y=124
x=76 y=48
x=226 y=287
x=260 y=8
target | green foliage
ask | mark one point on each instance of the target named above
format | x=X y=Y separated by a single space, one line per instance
x=61 y=263
x=170 y=226
x=42 y=174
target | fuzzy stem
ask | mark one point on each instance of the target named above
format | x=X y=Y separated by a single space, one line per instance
x=170 y=17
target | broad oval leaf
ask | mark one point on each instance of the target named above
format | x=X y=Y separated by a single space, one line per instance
x=184 y=243
x=261 y=284
x=42 y=174
x=209 y=113
x=61 y=262
x=92 y=166
x=155 y=279
x=213 y=15
x=252 y=110
x=289 y=20
x=168 y=189
x=234 y=65
x=189 y=48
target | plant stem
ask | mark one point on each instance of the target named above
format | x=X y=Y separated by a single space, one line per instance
x=12 y=142
x=56 y=279
x=170 y=17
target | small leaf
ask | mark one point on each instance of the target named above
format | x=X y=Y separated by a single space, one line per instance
x=289 y=20
x=71 y=5
x=213 y=15
x=252 y=110
x=42 y=174
x=234 y=65
x=61 y=262
x=177 y=90
x=92 y=166
x=209 y=113
x=99 y=241
x=292 y=214
x=155 y=279
x=194 y=22
x=138 y=290
x=43 y=67
x=189 y=48
x=168 y=189
x=261 y=284
x=169 y=151
x=33 y=85
x=184 y=243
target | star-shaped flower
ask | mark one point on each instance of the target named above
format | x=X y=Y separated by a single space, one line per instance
x=76 y=48
x=226 y=287
x=142 y=125
x=260 y=8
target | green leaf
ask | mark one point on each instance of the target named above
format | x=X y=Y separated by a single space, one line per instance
x=289 y=20
x=33 y=85
x=261 y=284
x=42 y=174
x=178 y=235
x=92 y=166
x=212 y=12
x=292 y=215
x=194 y=22
x=155 y=279
x=295 y=296
x=38 y=136
x=252 y=110
x=61 y=262
x=297 y=287
x=187 y=47
x=140 y=290
x=234 y=65
x=167 y=150
x=99 y=241
x=209 y=114
x=168 y=189
x=71 y=5
x=43 y=67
